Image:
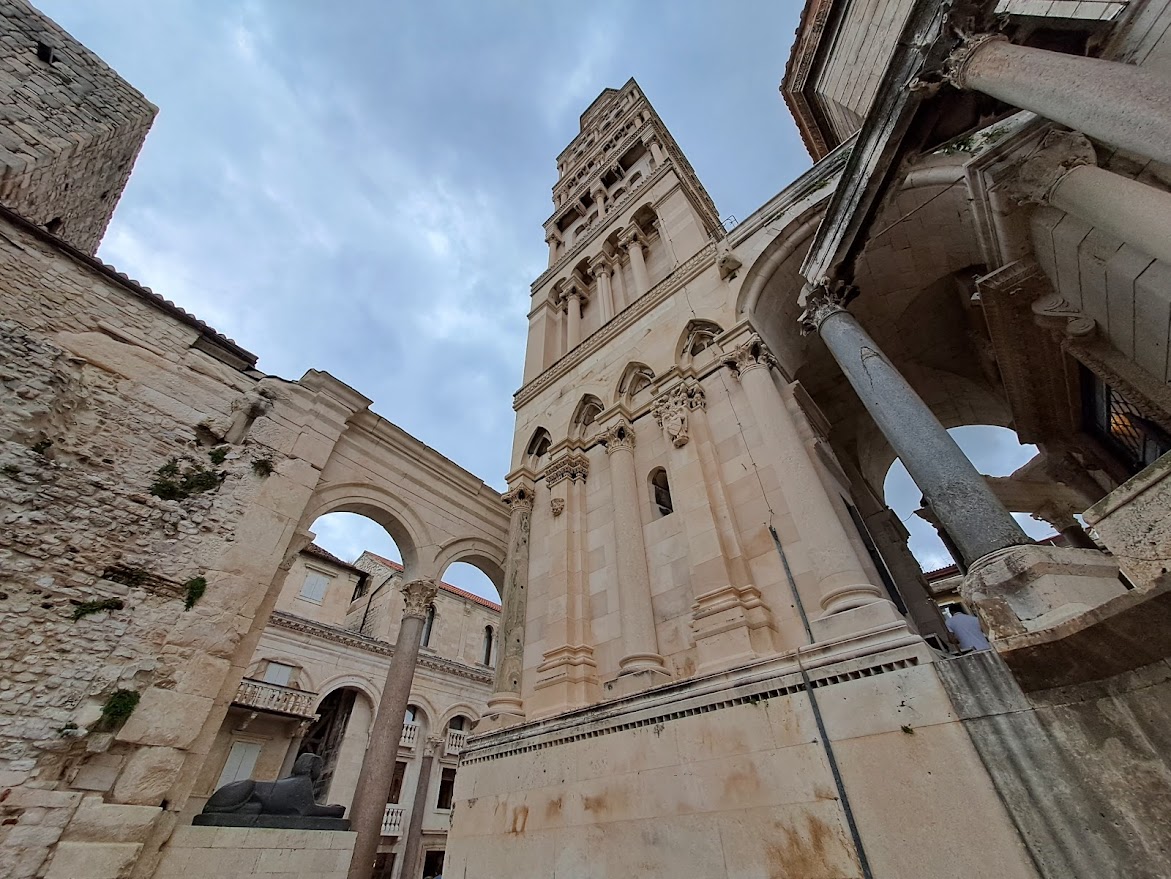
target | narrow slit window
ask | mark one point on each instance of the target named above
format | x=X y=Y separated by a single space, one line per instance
x=661 y=492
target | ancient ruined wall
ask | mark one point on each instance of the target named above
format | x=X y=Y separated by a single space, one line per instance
x=136 y=548
x=70 y=128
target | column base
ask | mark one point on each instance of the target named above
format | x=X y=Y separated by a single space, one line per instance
x=640 y=671
x=849 y=597
x=567 y=679
x=504 y=709
x=856 y=618
x=732 y=627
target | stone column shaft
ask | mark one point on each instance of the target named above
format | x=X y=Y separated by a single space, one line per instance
x=573 y=309
x=605 y=295
x=1119 y=104
x=618 y=286
x=382 y=750
x=638 y=266
x=973 y=516
x=506 y=699
x=414 y=838
x=841 y=583
x=639 y=637
x=656 y=151
x=1131 y=211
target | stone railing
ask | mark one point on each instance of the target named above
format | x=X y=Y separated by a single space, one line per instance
x=263 y=696
x=392 y=820
x=410 y=735
x=456 y=740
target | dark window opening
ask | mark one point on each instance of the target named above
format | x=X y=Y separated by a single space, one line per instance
x=1135 y=440
x=46 y=53
x=362 y=587
x=488 y=635
x=428 y=625
x=446 y=789
x=396 y=783
x=324 y=737
x=876 y=557
x=383 y=865
x=432 y=864
x=661 y=492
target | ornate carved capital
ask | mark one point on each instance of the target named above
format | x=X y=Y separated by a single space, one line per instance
x=671 y=409
x=519 y=499
x=826 y=298
x=1038 y=175
x=418 y=594
x=619 y=435
x=1053 y=312
x=573 y=465
x=750 y=355
x=630 y=236
x=599 y=265
x=956 y=65
x=557 y=506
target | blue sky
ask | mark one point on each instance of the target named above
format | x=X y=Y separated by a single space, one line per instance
x=359 y=187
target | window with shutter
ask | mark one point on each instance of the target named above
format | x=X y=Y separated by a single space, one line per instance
x=313 y=589
x=241 y=762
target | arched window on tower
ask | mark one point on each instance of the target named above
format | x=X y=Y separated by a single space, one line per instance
x=701 y=335
x=635 y=378
x=538 y=447
x=661 y=492
x=428 y=626
x=488 y=637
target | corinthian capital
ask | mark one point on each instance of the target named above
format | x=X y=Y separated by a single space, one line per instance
x=619 y=435
x=826 y=298
x=956 y=67
x=1038 y=175
x=419 y=594
x=599 y=265
x=630 y=236
x=519 y=499
x=750 y=355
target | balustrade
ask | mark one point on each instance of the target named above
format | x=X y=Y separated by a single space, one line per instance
x=392 y=820
x=263 y=696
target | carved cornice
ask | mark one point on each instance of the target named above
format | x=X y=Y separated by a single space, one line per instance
x=671 y=409
x=618 y=436
x=624 y=319
x=356 y=641
x=828 y=297
x=750 y=355
x=1040 y=173
x=573 y=465
x=418 y=596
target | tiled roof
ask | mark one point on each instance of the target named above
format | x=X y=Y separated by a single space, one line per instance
x=446 y=587
x=314 y=550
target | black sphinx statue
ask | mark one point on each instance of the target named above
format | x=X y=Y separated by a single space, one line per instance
x=286 y=802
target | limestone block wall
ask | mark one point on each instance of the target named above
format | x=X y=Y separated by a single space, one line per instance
x=70 y=128
x=109 y=394
x=730 y=778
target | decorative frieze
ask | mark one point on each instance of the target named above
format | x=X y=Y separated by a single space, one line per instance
x=574 y=465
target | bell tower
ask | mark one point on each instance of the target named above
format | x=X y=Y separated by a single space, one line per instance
x=627 y=210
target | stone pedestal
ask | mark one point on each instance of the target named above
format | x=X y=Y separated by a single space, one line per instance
x=222 y=852
x=731 y=626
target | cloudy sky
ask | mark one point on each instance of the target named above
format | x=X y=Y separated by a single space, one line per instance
x=359 y=186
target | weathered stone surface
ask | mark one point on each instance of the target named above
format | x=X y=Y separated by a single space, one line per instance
x=148 y=777
x=93 y=860
x=96 y=821
x=167 y=718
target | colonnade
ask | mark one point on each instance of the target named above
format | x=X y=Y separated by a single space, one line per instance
x=1116 y=103
x=606 y=270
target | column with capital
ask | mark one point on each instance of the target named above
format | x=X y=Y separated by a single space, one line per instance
x=413 y=845
x=505 y=705
x=841 y=583
x=656 y=149
x=378 y=766
x=1062 y=173
x=600 y=269
x=1119 y=104
x=639 y=638
x=631 y=239
x=599 y=195
x=970 y=513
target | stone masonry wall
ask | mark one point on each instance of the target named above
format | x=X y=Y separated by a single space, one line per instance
x=104 y=396
x=70 y=128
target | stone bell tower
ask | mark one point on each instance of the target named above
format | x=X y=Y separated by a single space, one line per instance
x=628 y=209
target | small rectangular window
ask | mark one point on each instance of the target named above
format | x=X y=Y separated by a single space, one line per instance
x=446 y=789
x=396 y=783
x=241 y=761
x=313 y=589
x=278 y=673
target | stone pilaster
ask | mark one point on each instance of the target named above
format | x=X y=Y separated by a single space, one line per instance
x=632 y=240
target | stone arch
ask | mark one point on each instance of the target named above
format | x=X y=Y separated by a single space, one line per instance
x=537 y=447
x=380 y=505
x=635 y=378
x=788 y=242
x=583 y=423
x=460 y=708
x=350 y=681
x=475 y=551
x=698 y=337
x=429 y=712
